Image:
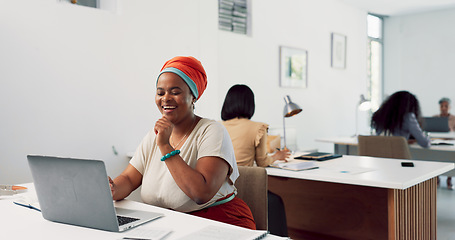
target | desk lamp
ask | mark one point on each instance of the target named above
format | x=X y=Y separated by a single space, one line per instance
x=363 y=105
x=290 y=109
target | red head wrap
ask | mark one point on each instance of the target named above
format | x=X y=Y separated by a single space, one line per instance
x=190 y=70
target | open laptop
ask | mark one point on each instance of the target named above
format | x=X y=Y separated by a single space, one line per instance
x=436 y=124
x=77 y=192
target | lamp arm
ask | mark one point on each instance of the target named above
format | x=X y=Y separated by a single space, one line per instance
x=284 y=133
x=357 y=121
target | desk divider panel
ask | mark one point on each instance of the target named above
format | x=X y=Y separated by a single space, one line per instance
x=413 y=212
x=324 y=210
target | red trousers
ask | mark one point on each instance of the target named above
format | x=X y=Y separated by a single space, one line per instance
x=234 y=212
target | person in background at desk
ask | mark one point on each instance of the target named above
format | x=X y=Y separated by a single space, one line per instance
x=250 y=145
x=185 y=163
x=248 y=137
x=444 y=107
x=398 y=116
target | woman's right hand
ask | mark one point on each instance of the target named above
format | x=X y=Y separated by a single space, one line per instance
x=281 y=154
x=163 y=129
x=111 y=185
x=129 y=180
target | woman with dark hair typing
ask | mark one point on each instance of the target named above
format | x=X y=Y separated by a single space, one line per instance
x=398 y=116
x=250 y=145
x=185 y=163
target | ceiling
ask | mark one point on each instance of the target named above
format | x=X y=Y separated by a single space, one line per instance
x=400 y=7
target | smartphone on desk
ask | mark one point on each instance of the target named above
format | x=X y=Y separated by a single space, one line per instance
x=407 y=164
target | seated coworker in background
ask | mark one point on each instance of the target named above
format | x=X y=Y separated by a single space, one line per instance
x=186 y=162
x=398 y=116
x=250 y=139
x=444 y=107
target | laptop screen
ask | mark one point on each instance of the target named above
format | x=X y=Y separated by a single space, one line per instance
x=436 y=124
x=77 y=192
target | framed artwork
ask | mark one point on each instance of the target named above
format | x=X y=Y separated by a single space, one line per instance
x=338 y=51
x=293 y=67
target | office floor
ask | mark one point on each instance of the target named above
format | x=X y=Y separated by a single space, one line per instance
x=446 y=211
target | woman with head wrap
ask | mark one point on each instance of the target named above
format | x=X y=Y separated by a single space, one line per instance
x=185 y=163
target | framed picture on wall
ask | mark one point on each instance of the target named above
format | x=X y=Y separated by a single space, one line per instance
x=293 y=67
x=338 y=51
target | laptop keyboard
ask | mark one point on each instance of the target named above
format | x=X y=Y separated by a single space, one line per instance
x=124 y=220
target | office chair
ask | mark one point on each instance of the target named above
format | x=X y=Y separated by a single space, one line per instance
x=384 y=146
x=252 y=189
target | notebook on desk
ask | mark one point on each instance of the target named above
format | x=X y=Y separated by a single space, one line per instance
x=77 y=192
x=436 y=124
x=318 y=156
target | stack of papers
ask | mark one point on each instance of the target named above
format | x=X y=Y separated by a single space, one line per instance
x=442 y=142
x=295 y=165
x=147 y=233
x=224 y=233
x=11 y=189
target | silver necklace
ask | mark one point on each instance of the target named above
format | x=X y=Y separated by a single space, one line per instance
x=186 y=134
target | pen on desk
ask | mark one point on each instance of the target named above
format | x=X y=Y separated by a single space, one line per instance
x=27 y=206
x=282 y=149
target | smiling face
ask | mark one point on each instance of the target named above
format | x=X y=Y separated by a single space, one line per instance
x=173 y=98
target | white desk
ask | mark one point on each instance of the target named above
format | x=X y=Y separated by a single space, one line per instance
x=22 y=223
x=441 y=153
x=357 y=197
x=444 y=135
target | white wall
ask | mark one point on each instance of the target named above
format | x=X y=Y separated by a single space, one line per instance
x=329 y=102
x=76 y=81
x=419 y=57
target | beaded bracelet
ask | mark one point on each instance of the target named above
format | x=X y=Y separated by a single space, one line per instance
x=170 y=155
